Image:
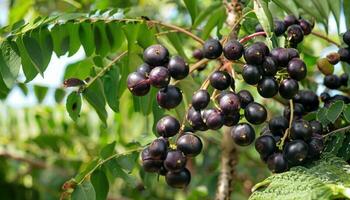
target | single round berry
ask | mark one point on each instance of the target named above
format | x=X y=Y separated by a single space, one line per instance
x=229 y=103
x=346 y=37
x=251 y=74
x=280 y=56
x=298 y=111
x=158 y=148
x=233 y=50
x=308 y=99
x=212 y=49
x=333 y=58
x=332 y=81
x=316 y=127
x=301 y=129
x=325 y=66
x=148 y=163
x=245 y=98
x=198 y=54
x=169 y=97
x=190 y=144
x=144 y=69
x=200 y=99
x=178 y=179
x=159 y=77
x=279 y=27
x=254 y=55
x=178 y=68
x=296 y=152
x=265 y=145
x=297 y=69
x=231 y=119
x=277 y=163
x=325 y=96
x=175 y=160
x=220 y=80
x=288 y=88
x=278 y=124
x=243 y=134
x=295 y=34
x=292 y=53
x=344 y=54
x=344 y=79
x=213 y=118
x=168 y=126
x=269 y=67
x=290 y=20
x=138 y=84
x=264 y=48
x=156 y=55
x=306 y=26
x=195 y=119
x=267 y=87
x=316 y=147
x=255 y=113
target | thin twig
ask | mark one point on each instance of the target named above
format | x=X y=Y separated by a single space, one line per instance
x=33 y=163
x=287 y=132
x=325 y=38
x=251 y=36
x=336 y=131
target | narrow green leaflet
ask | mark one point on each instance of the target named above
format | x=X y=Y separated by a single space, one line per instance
x=108 y=150
x=265 y=18
x=111 y=85
x=74 y=40
x=117 y=171
x=192 y=8
x=288 y=6
x=322 y=116
x=324 y=179
x=60 y=37
x=205 y=13
x=9 y=64
x=101 y=185
x=87 y=37
x=214 y=20
x=346 y=113
x=59 y=95
x=34 y=53
x=175 y=40
x=146 y=36
x=100 y=38
x=85 y=191
x=80 y=69
x=346 y=7
x=115 y=35
x=86 y=169
x=40 y=92
x=335 y=8
x=73 y=105
x=335 y=110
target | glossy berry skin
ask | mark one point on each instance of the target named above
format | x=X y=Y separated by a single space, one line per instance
x=178 y=68
x=332 y=81
x=277 y=163
x=150 y=164
x=168 y=126
x=298 y=111
x=138 y=84
x=198 y=54
x=220 y=80
x=156 y=55
x=213 y=118
x=278 y=124
x=144 y=69
x=212 y=49
x=344 y=79
x=245 y=98
x=292 y=53
x=243 y=134
x=195 y=120
x=169 y=97
x=229 y=103
x=296 y=152
x=265 y=145
x=267 y=87
x=251 y=74
x=175 y=161
x=288 y=88
x=233 y=50
x=159 y=77
x=290 y=20
x=269 y=67
x=254 y=55
x=231 y=119
x=190 y=144
x=255 y=113
x=301 y=129
x=200 y=99
x=316 y=127
x=346 y=37
x=333 y=58
x=158 y=148
x=306 y=26
x=264 y=48
x=344 y=54
x=325 y=96
x=295 y=34
x=316 y=147
x=178 y=179
x=280 y=56
x=308 y=99
x=297 y=69
x=279 y=27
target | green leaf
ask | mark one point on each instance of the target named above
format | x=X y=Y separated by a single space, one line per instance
x=344 y=150
x=334 y=142
x=204 y=14
x=175 y=40
x=29 y=69
x=117 y=171
x=59 y=95
x=86 y=170
x=335 y=8
x=9 y=64
x=288 y=6
x=146 y=36
x=265 y=18
x=327 y=178
x=101 y=185
x=95 y=96
x=40 y=92
x=85 y=191
x=60 y=37
x=74 y=40
x=128 y=161
x=335 y=110
x=111 y=85
x=346 y=7
x=73 y=105
x=322 y=116
x=214 y=20
x=87 y=38
x=346 y=113
x=192 y=8
x=80 y=69
x=100 y=38
x=108 y=150
x=115 y=35
x=309 y=8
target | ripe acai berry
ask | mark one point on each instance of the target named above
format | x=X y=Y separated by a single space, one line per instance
x=279 y=27
x=168 y=126
x=269 y=67
x=213 y=118
x=306 y=26
x=178 y=179
x=267 y=87
x=297 y=69
x=197 y=54
x=156 y=55
x=280 y=56
x=190 y=144
x=229 y=103
x=290 y=20
x=178 y=68
x=265 y=145
x=277 y=163
x=295 y=34
x=278 y=125
x=316 y=147
x=344 y=79
x=332 y=81
x=292 y=53
x=220 y=80
x=251 y=74
x=296 y=152
x=344 y=54
x=233 y=50
x=288 y=88
x=158 y=148
x=255 y=113
x=301 y=129
x=243 y=134
x=159 y=77
x=175 y=160
x=150 y=164
x=231 y=119
x=346 y=37
x=254 y=54
x=138 y=84
x=144 y=69
x=245 y=98
x=169 y=97
x=308 y=99
x=212 y=49
x=200 y=99
x=316 y=127
x=298 y=111
x=195 y=120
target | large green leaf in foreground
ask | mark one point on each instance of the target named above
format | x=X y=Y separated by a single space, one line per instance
x=327 y=178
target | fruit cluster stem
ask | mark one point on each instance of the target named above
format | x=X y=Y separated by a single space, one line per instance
x=325 y=38
x=287 y=132
x=251 y=36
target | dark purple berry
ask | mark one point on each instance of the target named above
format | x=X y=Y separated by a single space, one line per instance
x=333 y=58
x=190 y=144
x=178 y=68
x=148 y=163
x=332 y=81
x=175 y=161
x=220 y=80
x=344 y=54
x=231 y=119
x=288 y=88
x=233 y=50
x=280 y=56
x=212 y=49
x=197 y=54
x=229 y=103
x=279 y=27
x=277 y=163
x=296 y=152
x=278 y=124
x=144 y=69
x=306 y=26
x=243 y=134
x=138 y=84
x=168 y=126
x=255 y=113
x=251 y=74
x=254 y=54
x=156 y=55
x=267 y=87
x=316 y=127
x=213 y=118
x=298 y=111
x=269 y=67
x=169 y=97
x=158 y=148
x=301 y=129
x=325 y=96
x=344 y=79
x=295 y=34
x=292 y=53
x=195 y=119
x=297 y=69
x=159 y=77
x=346 y=37
x=245 y=98
x=265 y=145
x=308 y=99
x=200 y=99
x=316 y=147
x=290 y=20
x=178 y=179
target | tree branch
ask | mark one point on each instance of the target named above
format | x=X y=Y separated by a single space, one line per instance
x=33 y=163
